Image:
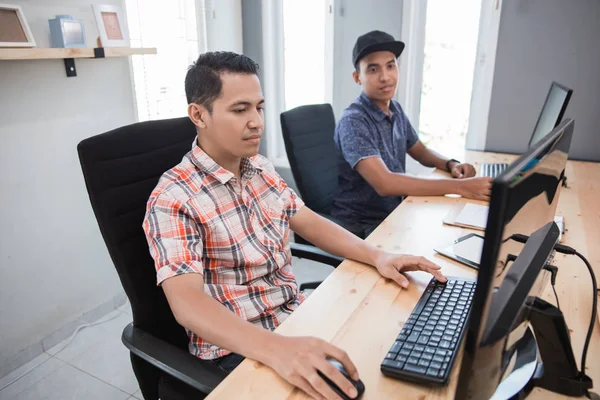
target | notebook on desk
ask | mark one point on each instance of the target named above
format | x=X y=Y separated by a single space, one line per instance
x=467 y=215
x=474 y=216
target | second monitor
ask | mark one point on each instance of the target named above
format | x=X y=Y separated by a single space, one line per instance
x=551 y=115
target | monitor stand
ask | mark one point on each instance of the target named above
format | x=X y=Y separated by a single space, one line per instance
x=557 y=370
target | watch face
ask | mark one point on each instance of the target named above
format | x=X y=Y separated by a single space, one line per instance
x=72 y=33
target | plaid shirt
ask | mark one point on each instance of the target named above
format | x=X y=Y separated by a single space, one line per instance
x=199 y=219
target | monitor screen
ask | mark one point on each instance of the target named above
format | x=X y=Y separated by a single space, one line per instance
x=552 y=112
x=523 y=200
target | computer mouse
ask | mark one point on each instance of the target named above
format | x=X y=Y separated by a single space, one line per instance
x=358 y=385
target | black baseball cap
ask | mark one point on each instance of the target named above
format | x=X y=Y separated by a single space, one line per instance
x=375 y=41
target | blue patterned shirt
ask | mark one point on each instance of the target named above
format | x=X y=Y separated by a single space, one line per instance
x=366 y=131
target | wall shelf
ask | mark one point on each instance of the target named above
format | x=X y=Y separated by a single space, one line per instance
x=69 y=55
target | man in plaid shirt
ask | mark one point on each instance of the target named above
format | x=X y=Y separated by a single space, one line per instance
x=218 y=227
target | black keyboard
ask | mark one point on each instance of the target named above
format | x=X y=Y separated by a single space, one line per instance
x=492 y=170
x=426 y=348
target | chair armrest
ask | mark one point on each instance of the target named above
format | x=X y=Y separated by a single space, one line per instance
x=199 y=374
x=309 y=285
x=315 y=254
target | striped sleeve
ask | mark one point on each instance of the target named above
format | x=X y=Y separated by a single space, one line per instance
x=173 y=237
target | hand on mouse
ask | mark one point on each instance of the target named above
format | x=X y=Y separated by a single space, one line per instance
x=297 y=359
x=392 y=266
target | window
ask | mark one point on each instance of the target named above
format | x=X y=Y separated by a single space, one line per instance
x=298 y=62
x=304 y=52
x=171 y=27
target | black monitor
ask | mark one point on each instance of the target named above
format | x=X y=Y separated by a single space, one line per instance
x=552 y=113
x=523 y=201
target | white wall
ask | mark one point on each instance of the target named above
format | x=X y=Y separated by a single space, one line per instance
x=541 y=41
x=224 y=25
x=53 y=262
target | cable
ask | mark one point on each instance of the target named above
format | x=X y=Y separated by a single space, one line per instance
x=561 y=248
x=554 y=272
x=80 y=327
x=556 y=296
x=594 y=308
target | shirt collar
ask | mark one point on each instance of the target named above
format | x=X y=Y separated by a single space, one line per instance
x=373 y=110
x=248 y=166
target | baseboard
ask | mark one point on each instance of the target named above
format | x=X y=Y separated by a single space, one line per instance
x=35 y=349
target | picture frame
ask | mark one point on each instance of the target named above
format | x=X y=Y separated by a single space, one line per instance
x=14 y=29
x=111 y=25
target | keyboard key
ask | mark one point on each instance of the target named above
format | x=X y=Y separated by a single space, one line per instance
x=429 y=350
x=444 y=344
x=423 y=363
x=408 y=346
x=433 y=371
x=442 y=352
x=436 y=364
x=427 y=332
x=404 y=352
x=427 y=356
x=423 y=339
x=415 y=368
x=402 y=337
x=396 y=347
x=416 y=354
x=442 y=373
x=413 y=337
x=447 y=337
x=435 y=338
x=419 y=347
x=438 y=358
x=444 y=366
x=413 y=360
x=401 y=358
x=447 y=359
x=393 y=364
x=391 y=356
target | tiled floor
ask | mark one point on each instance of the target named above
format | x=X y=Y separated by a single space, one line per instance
x=95 y=364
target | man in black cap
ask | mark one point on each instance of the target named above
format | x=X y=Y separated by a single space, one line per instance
x=373 y=137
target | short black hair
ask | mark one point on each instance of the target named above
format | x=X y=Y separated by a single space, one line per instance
x=203 y=83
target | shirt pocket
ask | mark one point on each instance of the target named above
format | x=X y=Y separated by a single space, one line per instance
x=274 y=207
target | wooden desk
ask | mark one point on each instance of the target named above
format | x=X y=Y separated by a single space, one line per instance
x=358 y=311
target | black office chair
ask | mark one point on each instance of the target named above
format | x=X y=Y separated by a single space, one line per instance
x=308 y=137
x=121 y=168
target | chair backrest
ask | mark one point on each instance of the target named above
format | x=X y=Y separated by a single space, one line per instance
x=121 y=168
x=308 y=137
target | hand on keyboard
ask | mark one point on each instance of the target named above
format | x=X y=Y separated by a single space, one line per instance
x=392 y=266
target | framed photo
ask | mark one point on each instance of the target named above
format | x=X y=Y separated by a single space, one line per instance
x=111 y=26
x=14 y=30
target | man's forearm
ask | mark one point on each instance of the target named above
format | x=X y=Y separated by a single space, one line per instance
x=320 y=231
x=407 y=185
x=216 y=324
x=431 y=158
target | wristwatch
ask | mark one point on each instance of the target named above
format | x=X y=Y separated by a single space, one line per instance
x=448 y=164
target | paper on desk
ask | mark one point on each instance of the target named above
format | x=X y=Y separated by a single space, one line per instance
x=473 y=215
